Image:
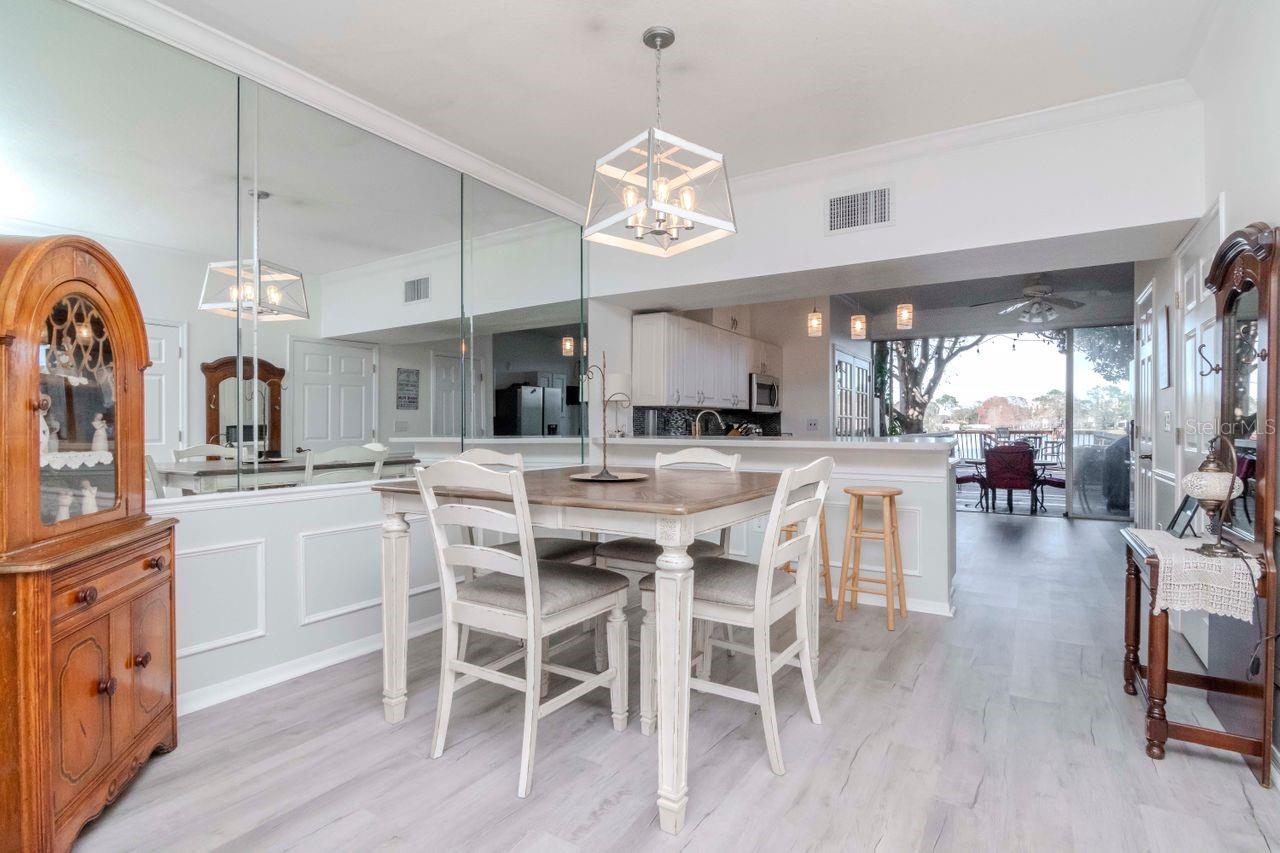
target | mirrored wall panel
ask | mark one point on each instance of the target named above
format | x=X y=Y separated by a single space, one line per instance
x=524 y=333
x=312 y=291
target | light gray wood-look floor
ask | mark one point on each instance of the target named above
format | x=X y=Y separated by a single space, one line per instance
x=1003 y=728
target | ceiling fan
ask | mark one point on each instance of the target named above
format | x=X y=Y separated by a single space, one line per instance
x=1036 y=305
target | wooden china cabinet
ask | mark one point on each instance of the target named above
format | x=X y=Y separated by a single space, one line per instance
x=86 y=576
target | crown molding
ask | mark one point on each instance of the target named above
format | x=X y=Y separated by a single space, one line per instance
x=1160 y=96
x=198 y=39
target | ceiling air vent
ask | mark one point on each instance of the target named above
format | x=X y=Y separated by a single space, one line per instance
x=417 y=290
x=860 y=210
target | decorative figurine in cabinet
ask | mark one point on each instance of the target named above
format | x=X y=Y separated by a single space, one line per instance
x=86 y=576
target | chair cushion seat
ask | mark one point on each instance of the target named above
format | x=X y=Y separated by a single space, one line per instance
x=722 y=580
x=638 y=550
x=961 y=479
x=561 y=586
x=1056 y=482
x=556 y=548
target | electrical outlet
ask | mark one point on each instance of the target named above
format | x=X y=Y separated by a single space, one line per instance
x=1168 y=421
x=811 y=425
x=402 y=426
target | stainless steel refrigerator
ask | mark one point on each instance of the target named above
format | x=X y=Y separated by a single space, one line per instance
x=528 y=410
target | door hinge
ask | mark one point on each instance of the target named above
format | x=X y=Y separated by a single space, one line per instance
x=1177 y=435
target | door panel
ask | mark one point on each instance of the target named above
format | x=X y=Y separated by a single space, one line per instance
x=162 y=394
x=81 y=710
x=334 y=397
x=1144 y=417
x=1197 y=395
x=148 y=656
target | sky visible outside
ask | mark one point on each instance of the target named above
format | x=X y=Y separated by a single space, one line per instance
x=1026 y=367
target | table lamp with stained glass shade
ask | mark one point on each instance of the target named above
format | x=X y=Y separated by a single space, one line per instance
x=1214 y=486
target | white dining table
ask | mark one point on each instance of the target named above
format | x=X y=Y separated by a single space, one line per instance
x=671 y=507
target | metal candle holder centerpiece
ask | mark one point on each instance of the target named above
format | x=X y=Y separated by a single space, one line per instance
x=1214 y=486
x=604 y=475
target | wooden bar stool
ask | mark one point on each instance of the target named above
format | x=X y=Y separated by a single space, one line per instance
x=850 y=572
x=791 y=530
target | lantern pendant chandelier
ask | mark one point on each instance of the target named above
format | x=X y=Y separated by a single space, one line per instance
x=657 y=193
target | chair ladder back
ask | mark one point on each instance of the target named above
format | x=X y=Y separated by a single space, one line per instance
x=203 y=451
x=799 y=499
x=439 y=483
x=365 y=456
x=492 y=458
x=701 y=457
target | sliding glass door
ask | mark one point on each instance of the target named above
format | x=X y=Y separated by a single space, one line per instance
x=1101 y=411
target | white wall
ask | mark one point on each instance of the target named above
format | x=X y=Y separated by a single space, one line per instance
x=608 y=342
x=1123 y=161
x=1235 y=75
x=806 y=362
x=273 y=585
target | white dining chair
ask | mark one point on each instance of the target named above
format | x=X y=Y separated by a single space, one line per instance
x=638 y=556
x=520 y=597
x=548 y=547
x=368 y=467
x=562 y=548
x=755 y=598
x=153 y=474
x=203 y=451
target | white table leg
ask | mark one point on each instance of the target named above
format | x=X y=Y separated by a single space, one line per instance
x=673 y=595
x=395 y=614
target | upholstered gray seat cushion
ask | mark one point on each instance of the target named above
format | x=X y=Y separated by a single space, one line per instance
x=721 y=580
x=638 y=550
x=560 y=585
x=556 y=548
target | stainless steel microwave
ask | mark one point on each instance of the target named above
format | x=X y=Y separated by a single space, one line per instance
x=766 y=393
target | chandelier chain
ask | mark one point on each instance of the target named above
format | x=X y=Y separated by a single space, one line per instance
x=658 y=82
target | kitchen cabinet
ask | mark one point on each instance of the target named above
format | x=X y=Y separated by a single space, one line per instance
x=680 y=362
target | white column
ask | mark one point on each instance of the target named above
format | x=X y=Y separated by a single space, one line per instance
x=674 y=617
x=395 y=610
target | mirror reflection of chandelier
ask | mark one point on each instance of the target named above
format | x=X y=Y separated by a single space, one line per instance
x=657 y=193
x=277 y=292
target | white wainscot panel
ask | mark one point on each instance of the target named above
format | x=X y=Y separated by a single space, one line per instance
x=222 y=595
x=338 y=571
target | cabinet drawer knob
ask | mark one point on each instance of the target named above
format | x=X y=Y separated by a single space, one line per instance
x=88 y=595
x=141 y=661
x=159 y=563
x=108 y=686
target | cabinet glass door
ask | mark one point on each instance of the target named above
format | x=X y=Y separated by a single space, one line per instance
x=77 y=416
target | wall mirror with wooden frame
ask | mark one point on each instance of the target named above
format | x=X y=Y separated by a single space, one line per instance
x=1241 y=655
x=259 y=403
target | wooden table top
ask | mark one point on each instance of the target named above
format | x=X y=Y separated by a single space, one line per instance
x=668 y=491
x=214 y=467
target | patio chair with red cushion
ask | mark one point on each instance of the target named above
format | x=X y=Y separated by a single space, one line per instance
x=1009 y=467
x=968 y=475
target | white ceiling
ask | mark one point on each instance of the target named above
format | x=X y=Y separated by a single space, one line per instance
x=543 y=88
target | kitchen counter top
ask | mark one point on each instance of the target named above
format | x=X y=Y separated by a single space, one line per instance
x=908 y=443
x=473 y=440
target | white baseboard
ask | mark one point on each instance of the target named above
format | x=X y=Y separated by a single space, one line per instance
x=204 y=697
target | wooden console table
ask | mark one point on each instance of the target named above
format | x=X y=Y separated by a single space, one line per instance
x=1154 y=677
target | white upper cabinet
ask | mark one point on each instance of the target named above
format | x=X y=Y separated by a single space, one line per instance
x=678 y=362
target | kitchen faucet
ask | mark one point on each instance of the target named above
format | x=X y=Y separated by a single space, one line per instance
x=697 y=421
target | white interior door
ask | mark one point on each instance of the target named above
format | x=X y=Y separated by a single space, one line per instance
x=163 y=391
x=1197 y=395
x=1144 y=389
x=334 y=393
x=446 y=396
x=851 y=395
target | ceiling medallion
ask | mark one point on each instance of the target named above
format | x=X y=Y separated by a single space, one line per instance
x=657 y=193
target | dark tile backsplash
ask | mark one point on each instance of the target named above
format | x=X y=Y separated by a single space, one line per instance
x=674 y=421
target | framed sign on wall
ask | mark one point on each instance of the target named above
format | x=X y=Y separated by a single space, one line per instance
x=407 y=385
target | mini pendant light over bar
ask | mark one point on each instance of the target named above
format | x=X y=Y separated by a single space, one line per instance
x=566 y=346
x=657 y=193
x=814 y=322
x=905 y=315
x=858 y=327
